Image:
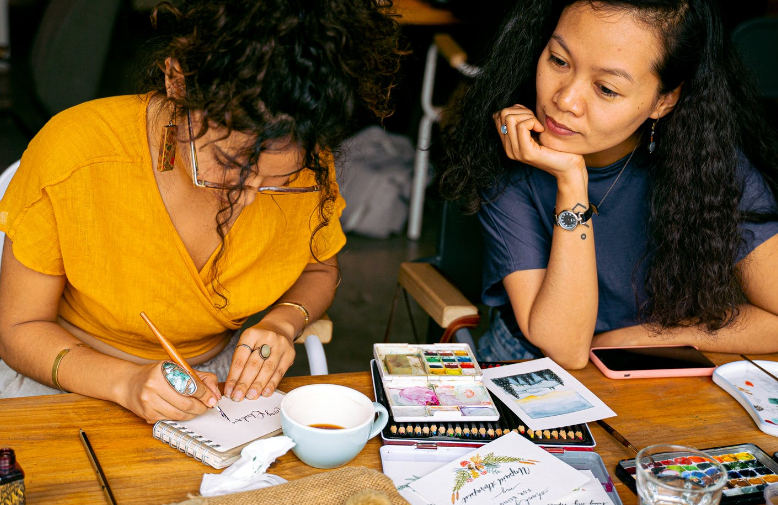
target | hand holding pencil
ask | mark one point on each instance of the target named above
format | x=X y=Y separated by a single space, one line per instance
x=147 y=391
x=182 y=377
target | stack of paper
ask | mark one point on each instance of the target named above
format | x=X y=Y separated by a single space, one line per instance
x=510 y=470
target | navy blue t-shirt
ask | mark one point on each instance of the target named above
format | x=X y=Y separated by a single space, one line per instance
x=518 y=224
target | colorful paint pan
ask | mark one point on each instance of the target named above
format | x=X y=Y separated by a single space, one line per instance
x=749 y=471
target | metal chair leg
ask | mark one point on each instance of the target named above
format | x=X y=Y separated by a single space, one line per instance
x=421 y=163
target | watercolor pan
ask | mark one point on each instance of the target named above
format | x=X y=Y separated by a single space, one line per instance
x=415 y=375
x=749 y=471
x=432 y=433
x=405 y=361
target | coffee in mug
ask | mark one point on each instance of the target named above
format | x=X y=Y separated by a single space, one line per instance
x=330 y=424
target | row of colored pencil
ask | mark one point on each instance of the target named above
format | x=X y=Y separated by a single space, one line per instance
x=482 y=431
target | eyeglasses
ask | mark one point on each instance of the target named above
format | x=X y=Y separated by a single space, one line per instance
x=264 y=190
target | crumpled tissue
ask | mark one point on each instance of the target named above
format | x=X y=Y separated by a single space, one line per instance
x=249 y=471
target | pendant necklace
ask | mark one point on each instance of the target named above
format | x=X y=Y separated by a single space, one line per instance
x=597 y=207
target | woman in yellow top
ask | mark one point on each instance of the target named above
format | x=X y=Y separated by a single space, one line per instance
x=207 y=200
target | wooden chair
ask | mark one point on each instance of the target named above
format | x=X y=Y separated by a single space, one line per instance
x=313 y=336
x=445 y=284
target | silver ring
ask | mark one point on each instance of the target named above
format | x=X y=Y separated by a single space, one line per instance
x=251 y=349
x=504 y=129
x=264 y=351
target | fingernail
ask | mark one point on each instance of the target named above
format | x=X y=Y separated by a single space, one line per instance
x=212 y=402
x=252 y=394
x=267 y=392
x=238 y=396
x=228 y=392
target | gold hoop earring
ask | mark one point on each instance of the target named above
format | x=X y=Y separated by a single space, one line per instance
x=167 y=146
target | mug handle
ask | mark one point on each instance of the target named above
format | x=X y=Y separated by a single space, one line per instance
x=383 y=418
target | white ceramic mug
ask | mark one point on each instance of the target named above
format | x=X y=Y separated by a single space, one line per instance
x=345 y=419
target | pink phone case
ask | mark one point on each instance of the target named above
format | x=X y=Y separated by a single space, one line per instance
x=643 y=374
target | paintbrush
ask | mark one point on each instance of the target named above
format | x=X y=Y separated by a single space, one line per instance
x=759 y=367
x=618 y=436
x=96 y=464
x=179 y=360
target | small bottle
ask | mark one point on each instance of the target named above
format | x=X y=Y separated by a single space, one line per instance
x=11 y=479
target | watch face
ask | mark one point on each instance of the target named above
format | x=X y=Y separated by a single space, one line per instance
x=567 y=220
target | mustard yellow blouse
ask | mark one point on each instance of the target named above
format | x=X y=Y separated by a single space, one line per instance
x=85 y=204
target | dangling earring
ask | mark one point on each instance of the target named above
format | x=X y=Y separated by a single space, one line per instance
x=651 y=143
x=167 y=148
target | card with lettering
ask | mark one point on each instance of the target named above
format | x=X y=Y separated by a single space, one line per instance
x=510 y=470
x=590 y=493
x=544 y=395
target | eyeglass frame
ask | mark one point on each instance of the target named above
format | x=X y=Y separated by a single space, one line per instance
x=262 y=190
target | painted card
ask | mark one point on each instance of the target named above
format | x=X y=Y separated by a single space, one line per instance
x=544 y=395
x=509 y=470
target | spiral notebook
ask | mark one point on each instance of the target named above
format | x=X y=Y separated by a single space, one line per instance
x=217 y=442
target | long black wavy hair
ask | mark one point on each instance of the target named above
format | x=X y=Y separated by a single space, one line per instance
x=279 y=70
x=694 y=222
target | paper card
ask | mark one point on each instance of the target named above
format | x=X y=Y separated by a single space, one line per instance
x=405 y=465
x=249 y=420
x=510 y=470
x=544 y=395
x=590 y=493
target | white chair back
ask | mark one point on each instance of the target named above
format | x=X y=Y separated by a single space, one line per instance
x=5 y=180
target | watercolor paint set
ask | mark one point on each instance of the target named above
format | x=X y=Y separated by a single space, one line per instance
x=440 y=382
x=749 y=469
x=434 y=433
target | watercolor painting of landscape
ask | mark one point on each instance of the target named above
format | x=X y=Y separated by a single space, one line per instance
x=544 y=395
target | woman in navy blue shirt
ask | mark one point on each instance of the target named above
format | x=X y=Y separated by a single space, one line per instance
x=625 y=182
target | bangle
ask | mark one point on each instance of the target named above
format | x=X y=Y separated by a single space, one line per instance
x=55 y=367
x=301 y=309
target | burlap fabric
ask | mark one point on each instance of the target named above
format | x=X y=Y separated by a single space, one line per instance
x=344 y=486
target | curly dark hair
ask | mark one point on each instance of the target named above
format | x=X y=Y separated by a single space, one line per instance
x=290 y=70
x=694 y=221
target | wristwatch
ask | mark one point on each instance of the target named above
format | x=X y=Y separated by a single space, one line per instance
x=569 y=220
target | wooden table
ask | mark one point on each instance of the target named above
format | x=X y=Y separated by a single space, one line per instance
x=419 y=12
x=140 y=469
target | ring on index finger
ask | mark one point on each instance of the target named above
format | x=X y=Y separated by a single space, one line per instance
x=264 y=351
x=504 y=129
x=251 y=349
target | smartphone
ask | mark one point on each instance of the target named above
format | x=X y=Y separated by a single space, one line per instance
x=651 y=361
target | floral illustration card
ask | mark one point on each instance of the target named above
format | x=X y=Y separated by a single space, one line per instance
x=507 y=471
x=544 y=395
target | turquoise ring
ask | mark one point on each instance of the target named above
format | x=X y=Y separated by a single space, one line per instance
x=504 y=129
x=178 y=378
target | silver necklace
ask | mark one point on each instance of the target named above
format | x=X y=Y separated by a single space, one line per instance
x=597 y=207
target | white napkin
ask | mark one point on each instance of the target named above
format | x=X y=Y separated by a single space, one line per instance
x=249 y=471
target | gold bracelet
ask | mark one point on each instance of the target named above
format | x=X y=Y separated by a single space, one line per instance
x=55 y=367
x=301 y=309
